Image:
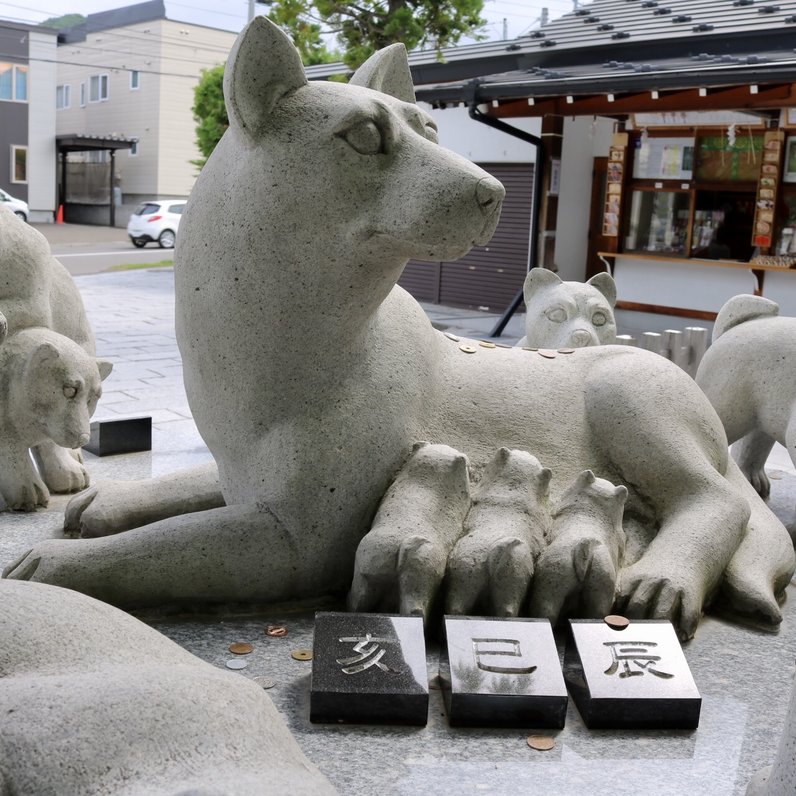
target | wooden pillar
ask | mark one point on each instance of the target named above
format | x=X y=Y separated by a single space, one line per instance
x=552 y=136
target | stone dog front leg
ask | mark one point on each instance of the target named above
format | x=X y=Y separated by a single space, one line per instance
x=400 y=563
x=235 y=553
x=20 y=485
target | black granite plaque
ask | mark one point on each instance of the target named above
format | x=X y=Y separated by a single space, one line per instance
x=502 y=673
x=634 y=678
x=120 y=436
x=369 y=669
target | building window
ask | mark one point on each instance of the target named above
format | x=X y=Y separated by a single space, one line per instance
x=83 y=95
x=135 y=80
x=63 y=97
x=19 y=163
x=98 y=88
x=134 y=149
x=13 y=82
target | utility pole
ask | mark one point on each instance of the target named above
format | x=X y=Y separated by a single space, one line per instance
x=252 y=12
x=505 y=29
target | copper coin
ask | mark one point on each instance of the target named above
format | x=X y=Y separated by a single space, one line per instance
x=486 y=344
x=566 y=350
x=276 y=631
x=301 y=655
x=241 y=648
x=616 y=622
x=468 y=349
x=542 y=743
x=548 y=353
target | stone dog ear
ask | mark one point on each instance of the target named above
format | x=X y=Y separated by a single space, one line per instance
x=537 y=279
x=105 y=366
x=604 y=282
x=263 y=66
x=41 y=354
x=387 y=71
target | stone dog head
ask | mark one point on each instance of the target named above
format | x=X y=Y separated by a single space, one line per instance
x=569 y=314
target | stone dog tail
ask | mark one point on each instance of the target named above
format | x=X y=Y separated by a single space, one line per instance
x=740 y=309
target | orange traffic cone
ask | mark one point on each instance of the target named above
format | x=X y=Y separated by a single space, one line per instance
x=59 y=216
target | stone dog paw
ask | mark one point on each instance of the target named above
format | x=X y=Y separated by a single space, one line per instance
x=401 y=561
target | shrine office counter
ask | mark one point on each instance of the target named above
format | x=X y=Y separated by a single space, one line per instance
x=694 y=288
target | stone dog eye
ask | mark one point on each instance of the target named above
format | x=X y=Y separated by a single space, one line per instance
x=556 y=314
x=70 y=392
x=599 y=319
x=365 y=138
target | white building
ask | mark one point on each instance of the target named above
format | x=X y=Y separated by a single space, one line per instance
x=129 y=75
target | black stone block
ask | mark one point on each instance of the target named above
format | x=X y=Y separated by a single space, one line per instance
x=633 y=678
x=120 y=436
x=369 y=669
x=502 y=673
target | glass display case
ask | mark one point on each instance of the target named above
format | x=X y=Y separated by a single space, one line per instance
x=658 y=222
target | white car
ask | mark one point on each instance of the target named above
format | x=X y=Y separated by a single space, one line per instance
x=18 y=207
x=156 y=220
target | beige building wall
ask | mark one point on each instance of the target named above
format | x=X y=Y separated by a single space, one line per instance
x=168 y=58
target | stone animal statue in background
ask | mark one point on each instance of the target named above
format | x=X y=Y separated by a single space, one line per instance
x=568 y=314
x=311 y=377
x=749 y=375
x=95 y=702
x=49 y=388
x=36 y=291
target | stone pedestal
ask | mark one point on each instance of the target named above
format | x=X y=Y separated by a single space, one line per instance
x=502 y=673
x=369 y=669
x=636 y=677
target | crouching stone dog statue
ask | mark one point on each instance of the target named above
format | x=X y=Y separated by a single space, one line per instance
x=44 y=387
x=312 y=378
x=749 y=375
x=95 y=702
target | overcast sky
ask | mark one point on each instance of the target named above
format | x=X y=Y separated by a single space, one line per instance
x=520 y=16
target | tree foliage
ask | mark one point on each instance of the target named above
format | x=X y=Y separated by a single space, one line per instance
x=360 y=28
x=368 y=25
x=65 y=21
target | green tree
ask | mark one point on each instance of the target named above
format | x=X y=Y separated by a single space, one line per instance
x=209 y=112
x=366 y=26
x=360 y=29
x=65 y=21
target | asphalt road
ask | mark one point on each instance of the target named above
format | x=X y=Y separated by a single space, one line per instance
x=94 y=258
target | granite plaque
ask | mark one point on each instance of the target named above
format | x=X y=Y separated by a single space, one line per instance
x=502 y=673
x=369 y=669
x=636 y=677
x=120 y=436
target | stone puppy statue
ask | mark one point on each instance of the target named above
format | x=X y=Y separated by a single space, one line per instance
x=491 y=567
x=49 y=388
x=749 y=375
x=37 y=291
x=334 y=188
x=568 y=314
x=587 y=545
x=95 y=702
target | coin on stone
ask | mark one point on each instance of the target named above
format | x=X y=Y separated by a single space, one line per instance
x=542 y=743
x=237 y=663
x=616 y=622
x=547 y=353
x=276 y=631
x=566 y=350
x=264 y=682
x=468 y=349
x=486 y=344
x=452 y=337
x=526 y=348
x=241 y=648
x=302 y=655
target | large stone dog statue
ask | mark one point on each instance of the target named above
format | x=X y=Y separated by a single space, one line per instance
x=37 y=291
x=749 y=375
x=312 y=377
x=95 y=702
